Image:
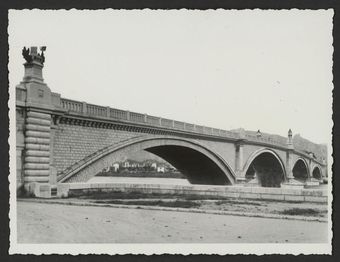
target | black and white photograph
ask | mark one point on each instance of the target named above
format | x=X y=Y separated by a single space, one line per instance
x=170 y=131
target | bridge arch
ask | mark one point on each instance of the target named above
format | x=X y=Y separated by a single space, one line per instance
x=301 y=170
x=199 y=164
x=316 y=173
x=267 y=167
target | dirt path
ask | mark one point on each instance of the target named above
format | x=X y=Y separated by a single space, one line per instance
x=54 y=223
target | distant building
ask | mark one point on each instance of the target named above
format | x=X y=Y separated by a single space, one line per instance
x=126 y=164
x=115 y=167
x=145 y=166
x=161 y=169
x=154 y=166
x=140 y=164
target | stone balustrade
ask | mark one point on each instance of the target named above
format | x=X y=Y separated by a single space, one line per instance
x=91 y=110
x=82 y=108
x=72 y=106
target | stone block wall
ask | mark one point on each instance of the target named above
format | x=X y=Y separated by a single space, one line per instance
x=37 y=145
x=288 y=195
x=224 y=149
x=72 y=142
x=20 y=146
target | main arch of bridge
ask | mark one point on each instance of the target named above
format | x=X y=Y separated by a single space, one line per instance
x=199 y=164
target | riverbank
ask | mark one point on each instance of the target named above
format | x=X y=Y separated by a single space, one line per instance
x=57 y=223
x=297 y=210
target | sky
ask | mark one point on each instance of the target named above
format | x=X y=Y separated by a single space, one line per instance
x=255 y=69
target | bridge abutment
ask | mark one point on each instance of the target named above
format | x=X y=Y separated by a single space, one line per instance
x=35 y=106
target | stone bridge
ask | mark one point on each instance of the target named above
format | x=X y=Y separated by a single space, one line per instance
x=61 y=140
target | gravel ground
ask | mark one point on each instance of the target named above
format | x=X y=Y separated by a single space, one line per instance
x=58 y=223
x=307 y=209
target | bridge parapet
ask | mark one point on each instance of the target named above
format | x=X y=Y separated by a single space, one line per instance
x=78 y=108
x=72 y=106
x=101 y=112
x=85 y=109
x=268 y=140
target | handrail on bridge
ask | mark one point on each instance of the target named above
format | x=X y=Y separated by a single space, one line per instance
x=82 y=108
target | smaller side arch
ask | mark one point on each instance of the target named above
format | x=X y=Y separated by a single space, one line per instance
x=301 y=170
x=317 y=173
x=266 y=167
x=257 y=153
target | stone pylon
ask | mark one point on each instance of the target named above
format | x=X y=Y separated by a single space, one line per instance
x=35 y=103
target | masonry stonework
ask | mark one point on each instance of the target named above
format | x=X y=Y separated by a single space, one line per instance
x=37 y=145
x=20 y=146
x=74 y=142
x=58 y=137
